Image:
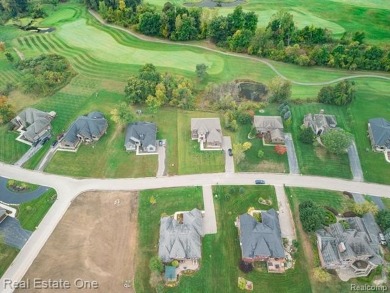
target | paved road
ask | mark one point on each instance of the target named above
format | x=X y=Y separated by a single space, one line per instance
x=291 y=154
x=354 y=163
x=9 y=197
x=14 y=234
x=210 y=220
x=161 y=159
x=287 y=225
x=240 y=55
x=229 y=162
x=68 y=188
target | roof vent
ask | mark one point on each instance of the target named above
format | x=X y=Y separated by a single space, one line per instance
x=342 y=247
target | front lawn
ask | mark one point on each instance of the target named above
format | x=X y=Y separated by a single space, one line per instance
x=31 y=213
x=191 y=159
x=168 y=201
x=10 y=149
x=7 y=256
x=316 y=160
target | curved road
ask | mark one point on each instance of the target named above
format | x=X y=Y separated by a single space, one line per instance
x=264 y=61
x=69 y=188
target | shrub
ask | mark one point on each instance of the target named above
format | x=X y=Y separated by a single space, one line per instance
x=246 y=267
x=260 y=154
x=312 y=216
x=306 y=135
x=330 y=218
x=175 y=263
x=156 y=265
x=321 y=275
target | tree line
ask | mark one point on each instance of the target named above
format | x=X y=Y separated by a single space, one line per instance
x=280 y=40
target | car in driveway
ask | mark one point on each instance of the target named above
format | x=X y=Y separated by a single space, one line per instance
x=259 y=181
x=230 y=152
x=54 y=143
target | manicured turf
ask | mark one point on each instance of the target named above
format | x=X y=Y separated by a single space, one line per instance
x=31 y=213
x=191 y=158
x=316 y=160
x=168 y=201
x=10 y=149
x=7 y=255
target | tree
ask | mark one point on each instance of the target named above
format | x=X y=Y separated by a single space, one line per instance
x=239 y=153
x=123 y=114
x=336 y=141
x=201 y=71
x=156 y=265
x=153 y=103
x=6 y=110
x=9 y=57
x=150 y=23
x=260 y=154
x=306 y=135
x=383 y=219
x=218 y=30
x=321 y=275
x=122 y=5
x=280 y=149
x=240 y=40
x=311 y=216
x=280 y=90
x=366 y=207
x=246 y=145
x=245 y=267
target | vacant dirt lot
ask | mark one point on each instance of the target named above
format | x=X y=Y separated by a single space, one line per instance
x=95 y=241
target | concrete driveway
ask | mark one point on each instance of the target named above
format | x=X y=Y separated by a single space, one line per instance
x=14 y=235
x=354 y=163
x=291 y=154
x=287 y=225
x=229 y=162
x=161 y=150
x=209 y=220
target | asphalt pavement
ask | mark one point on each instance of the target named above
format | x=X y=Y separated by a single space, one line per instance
x=13 y=233
x=10 y=197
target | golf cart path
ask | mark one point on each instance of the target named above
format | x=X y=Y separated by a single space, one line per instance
x=264 y=61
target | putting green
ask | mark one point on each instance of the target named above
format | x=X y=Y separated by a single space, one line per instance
x=61 y=15
x=103 y=46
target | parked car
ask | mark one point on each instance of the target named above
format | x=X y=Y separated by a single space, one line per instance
x=382 y=239
x=45 y=140
x=35 y=143
x=54 y=143
x=259 y=181
x=230 y=152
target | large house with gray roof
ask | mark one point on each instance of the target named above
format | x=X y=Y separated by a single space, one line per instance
x=181 y=238
x=33 y=124
x=262 y=240
x=320 y=123
x=141 y=137
x=208 y=132
x=270 y=127
x=379 y=133
x=87 y=129
x=352 y=251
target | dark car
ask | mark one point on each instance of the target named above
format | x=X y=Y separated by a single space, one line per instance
x=46 y=139
x=35 y=143
x=230 y=152
x=259 y=181
x=54 y=143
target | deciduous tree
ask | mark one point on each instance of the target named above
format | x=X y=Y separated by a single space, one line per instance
x=280 y=90
x=336 y=141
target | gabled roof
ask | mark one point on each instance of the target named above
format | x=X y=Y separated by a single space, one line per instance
x=261 y=238
x=92 y=125
x=268 y=123
x=210 y=127
x=179 y=241
x=380 y=130
x=144 y=132
x=34 y=121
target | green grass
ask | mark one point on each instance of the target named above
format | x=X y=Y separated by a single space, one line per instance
x=316 y=160
x=386 y=202
x=169 y=201
x=191 y=158
x=10 y=149
x=7 y=255
x=31 y=213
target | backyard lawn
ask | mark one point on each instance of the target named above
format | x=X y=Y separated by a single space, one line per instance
x=316 y=160
x=168 y=201
x=31 y=213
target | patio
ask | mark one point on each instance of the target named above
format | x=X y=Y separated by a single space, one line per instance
x=187 y=264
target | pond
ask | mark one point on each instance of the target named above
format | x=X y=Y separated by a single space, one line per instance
x=215 y=3
x=251 y=90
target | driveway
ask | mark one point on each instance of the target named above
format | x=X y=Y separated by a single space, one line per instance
x=14 y=234
x=27 y=155
x=291 y=154
x=10 y=197
x=161 y=150
x=354 y=163
x=287 y=226
x=378 y=201
x=209 y=220
x=229 y=162
x=46 y=159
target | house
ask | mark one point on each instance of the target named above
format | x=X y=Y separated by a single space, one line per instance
x=85 y=129
x=141 y=137
x=353 y=251
x=270 y=127
x=379 y=133
x=3 y=214
x=208 y=133
x=320 y=123
x=262 y=240
x=33 y=124
x=180 y=239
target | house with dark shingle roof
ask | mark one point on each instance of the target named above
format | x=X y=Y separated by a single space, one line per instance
x=208 y=132
x=87 y=129
x=181 y=240
x=33 y=124
x=320 y=123
x=271 y=126
x=379 y=133
x=262 y=241
x=141 y=137
x=352 y=252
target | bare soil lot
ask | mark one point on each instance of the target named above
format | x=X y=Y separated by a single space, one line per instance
x=95 y=241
